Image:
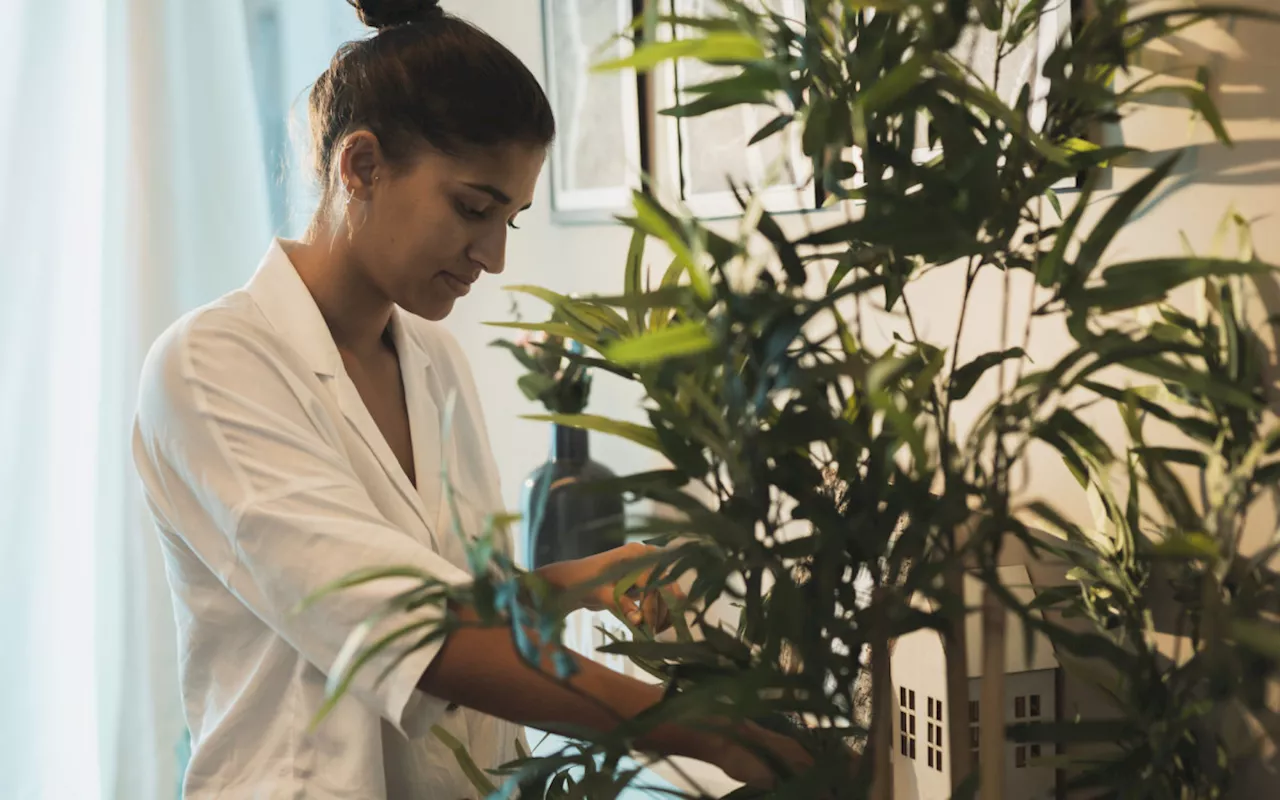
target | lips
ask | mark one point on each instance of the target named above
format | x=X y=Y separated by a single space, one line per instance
x=460 y=286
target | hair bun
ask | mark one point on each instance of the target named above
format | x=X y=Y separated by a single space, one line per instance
x=382 y=14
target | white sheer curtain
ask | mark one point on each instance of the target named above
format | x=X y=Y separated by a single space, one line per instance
x=132 y=188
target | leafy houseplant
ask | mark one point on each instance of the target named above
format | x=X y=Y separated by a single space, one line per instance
x=813 y=460
x=553 y=378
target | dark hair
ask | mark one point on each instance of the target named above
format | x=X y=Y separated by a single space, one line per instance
x=425 y=76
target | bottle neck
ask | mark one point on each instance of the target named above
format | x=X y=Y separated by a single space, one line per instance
x=569 y=444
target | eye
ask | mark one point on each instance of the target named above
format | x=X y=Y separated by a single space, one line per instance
x=512 y=225
x=472 y=213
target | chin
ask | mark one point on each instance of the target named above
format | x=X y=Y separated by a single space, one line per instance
x=434 y=309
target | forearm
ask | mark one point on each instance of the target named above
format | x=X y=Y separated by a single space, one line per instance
x=480 y=668
x=562 y=578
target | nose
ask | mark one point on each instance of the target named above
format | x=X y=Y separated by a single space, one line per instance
x=490 y=250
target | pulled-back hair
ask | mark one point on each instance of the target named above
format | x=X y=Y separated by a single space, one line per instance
x=425 y=76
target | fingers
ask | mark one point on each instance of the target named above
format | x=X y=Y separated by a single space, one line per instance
x=656 y=613
x=633 y=613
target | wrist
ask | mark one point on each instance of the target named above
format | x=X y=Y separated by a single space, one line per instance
x=699 y=743
x=561 y=578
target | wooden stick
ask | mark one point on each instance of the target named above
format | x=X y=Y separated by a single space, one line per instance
x=954 y=647
x=881 y=703
x=991 y=724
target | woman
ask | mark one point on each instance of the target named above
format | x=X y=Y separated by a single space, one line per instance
x=289 y=434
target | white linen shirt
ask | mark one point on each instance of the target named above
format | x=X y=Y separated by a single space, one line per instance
x=267 y=478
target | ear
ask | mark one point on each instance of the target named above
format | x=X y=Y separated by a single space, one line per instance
x=359 y=163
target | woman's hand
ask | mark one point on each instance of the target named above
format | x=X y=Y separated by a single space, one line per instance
x=591 y=575
x=739 y=760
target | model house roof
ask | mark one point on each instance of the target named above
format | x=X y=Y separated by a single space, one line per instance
x=1017 y=635
x=1015 y=571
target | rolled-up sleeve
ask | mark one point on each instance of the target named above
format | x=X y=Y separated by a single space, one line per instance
x=267 y=499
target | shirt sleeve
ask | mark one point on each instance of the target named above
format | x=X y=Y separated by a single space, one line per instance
x=262 y=492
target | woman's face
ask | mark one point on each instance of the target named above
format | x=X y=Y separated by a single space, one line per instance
x=430 y=228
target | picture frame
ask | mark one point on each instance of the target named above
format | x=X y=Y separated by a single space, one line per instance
x=597 y=160
x=775 y=169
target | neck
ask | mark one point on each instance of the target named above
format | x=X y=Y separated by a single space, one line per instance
x=356 y=312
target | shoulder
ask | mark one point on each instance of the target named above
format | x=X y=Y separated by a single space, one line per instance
x=223 y=342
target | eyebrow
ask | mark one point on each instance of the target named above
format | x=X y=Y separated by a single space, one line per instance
x=496 y=194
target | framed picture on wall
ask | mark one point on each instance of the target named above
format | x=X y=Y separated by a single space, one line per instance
x=596 y=160
x=705 y=153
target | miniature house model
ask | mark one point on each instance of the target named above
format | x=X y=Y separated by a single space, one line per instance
x=921 y=757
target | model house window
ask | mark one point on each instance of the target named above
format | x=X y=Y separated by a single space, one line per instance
x=1026 y=707
x=907 y=721
x=934 y=709
x=973 y=728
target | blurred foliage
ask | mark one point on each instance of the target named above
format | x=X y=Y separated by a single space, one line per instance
x=818 y=479
x=552 y=378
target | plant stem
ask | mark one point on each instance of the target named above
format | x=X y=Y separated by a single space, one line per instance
x=956 y=658
x=881 y=702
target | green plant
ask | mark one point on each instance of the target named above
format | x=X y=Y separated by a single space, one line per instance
x=554 y=379
x=811 y=459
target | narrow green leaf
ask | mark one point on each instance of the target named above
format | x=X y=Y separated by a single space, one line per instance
x=770 y=128
x=1191 y=545
x=889 y=88
x=626 y=430
x=1199 y=382
x=1074 y=429
x=468 y=766
x=1070 y=458
x=1261 y=637
x=989 y=13
x=1268 y=474
x=1168 y=273
x=573 y=313
x=716 y=101
x=1052 y=265
x=535 y=384
x=362 y=577
x=673 y=341
x=632 y=279
x=965 y=377
x=560 y=329
x=1117 y=215
x=653 y=219
x=1052 y=197
x=717 y=47
x=786 y=250
x=1178 y=455
x=1071 y=731
x=697 y=652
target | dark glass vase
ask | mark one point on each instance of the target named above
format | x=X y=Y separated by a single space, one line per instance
x=564 y=517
